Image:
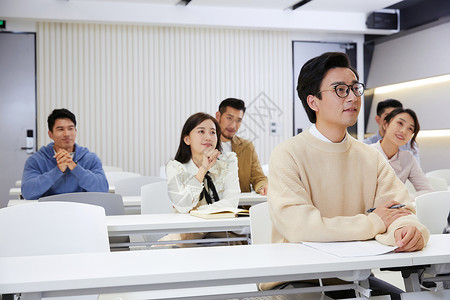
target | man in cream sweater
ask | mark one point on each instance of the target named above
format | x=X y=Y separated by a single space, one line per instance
x=322 y=182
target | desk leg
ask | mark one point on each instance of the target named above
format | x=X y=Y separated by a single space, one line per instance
x=362 y=289
x=412 y=282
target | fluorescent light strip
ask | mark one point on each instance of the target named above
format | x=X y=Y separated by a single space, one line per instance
x=411 y=84
x=434 y=133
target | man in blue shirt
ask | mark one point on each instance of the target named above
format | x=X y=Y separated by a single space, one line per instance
x=62 y=166
x=383 y=109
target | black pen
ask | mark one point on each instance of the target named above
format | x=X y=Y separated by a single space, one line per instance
x=393 y=206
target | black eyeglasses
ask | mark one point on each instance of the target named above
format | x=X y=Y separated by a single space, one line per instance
x=342 y=90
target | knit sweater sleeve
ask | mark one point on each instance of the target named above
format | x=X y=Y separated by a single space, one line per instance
x=389 y=187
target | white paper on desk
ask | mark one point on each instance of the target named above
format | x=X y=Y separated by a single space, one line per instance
x=352 y=249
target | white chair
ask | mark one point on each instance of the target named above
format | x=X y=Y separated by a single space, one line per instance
x=432 y=210
x=111 y=203
x=265 y=169
x=132 y=186
x=437 y=183
x=46 y=228
x=113 y=177
x=441 y=173
x=51 y=228
x=155 y=198
x=112 y=169
x=260 y=224
x=162 y=172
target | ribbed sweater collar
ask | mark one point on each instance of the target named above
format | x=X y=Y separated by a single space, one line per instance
x=327 y=146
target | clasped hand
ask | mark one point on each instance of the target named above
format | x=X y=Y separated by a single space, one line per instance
x=210 y=158
x=64 y=160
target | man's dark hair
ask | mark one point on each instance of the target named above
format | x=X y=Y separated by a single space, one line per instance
x=381 y=106
x=232 y=102
x=60 y=114
x=312 y=74
x=184 y=153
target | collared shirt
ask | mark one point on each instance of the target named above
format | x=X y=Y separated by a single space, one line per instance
x=376 y=137
x=226 y=146
x=315 y=132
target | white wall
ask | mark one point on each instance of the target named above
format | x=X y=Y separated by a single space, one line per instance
x=133 y=86
x=434 y=153
x=430 y=102
x=418 y=55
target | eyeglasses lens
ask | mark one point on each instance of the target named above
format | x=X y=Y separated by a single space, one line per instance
x=343 y=90
x=358 y=89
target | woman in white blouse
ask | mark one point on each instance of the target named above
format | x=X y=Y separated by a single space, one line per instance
x=199 y=156
x=402 y=126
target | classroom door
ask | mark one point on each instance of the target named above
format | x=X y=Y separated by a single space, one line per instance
x=17 y=107
x=302 y=52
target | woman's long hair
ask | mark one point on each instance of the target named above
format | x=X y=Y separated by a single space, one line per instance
x=413 y=115
x=184 y=153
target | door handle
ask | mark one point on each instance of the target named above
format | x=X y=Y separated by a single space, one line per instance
x=29 y=140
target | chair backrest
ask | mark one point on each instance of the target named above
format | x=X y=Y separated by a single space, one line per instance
x=260 y=224
x=432 y=210
x=155 y=198
x=112 y=169
x=132 y=186
x=112 y=203
x=162 y=172
x=45 y=228
x=437 y=183
x=441 y=173
x=265 y=169
x=113 y=177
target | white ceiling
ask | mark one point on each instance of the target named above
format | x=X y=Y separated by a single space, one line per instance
x=363 y=6
x=329 y=16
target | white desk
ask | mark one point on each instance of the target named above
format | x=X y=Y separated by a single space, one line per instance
x=94 y=273
x=13 y=202
x=127 y=225
x=17 y=192
x=251 y=198
x=133 y=203
x=135 y=224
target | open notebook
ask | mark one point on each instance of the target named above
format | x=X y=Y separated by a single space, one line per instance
x=219 y=213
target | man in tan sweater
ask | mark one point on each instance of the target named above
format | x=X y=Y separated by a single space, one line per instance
x=323 y=181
